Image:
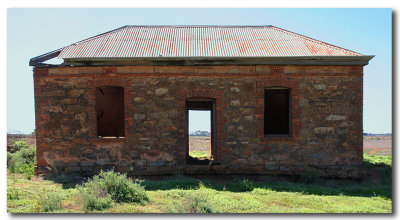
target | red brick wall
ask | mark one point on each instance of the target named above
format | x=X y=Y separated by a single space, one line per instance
x=326 y=113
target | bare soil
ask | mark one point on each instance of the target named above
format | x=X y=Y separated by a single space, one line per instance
x=378 y=145
x=198 y=143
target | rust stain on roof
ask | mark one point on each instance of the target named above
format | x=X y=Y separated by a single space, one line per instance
x=200 y=41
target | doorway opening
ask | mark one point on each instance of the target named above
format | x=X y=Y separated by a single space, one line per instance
x=200 y=131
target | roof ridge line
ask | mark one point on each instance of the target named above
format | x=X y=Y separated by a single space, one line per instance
x=314 y=40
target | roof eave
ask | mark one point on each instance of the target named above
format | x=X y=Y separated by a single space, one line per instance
x=194 y=61
x=38 y=61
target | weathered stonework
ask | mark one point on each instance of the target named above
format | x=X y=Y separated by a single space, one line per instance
x=326 y=119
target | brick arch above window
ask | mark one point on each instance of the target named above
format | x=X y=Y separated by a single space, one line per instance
x=199 y=92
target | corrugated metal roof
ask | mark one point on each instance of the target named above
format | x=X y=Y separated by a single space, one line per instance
x=200 y=41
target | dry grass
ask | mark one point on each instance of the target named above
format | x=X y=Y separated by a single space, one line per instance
x=187 y=195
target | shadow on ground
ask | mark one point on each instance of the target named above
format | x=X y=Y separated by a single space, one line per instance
x=377 y=181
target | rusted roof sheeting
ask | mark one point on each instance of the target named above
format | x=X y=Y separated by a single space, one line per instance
x=200 y=41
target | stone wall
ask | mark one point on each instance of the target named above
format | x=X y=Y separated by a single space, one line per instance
x=326 y=119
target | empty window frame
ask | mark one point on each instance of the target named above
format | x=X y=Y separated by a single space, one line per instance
x=110 y=111
x=201 y=104
x=277 y=111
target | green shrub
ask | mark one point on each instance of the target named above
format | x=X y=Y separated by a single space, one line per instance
x=119 y=187
x=9 y=158
x=28 y=155
x=23 y=156
x=27 y=169
x=100 y=192
x=18 y=145
x=22 y=161
x=199 y=204
x=93 y=198
x=94 y=202
x=50 y=202
x=192 y=203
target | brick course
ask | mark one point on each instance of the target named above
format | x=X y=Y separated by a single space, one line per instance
x=326 y=119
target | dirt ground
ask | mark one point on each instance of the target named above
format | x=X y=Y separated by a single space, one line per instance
x=198 y=143
x=378 y=145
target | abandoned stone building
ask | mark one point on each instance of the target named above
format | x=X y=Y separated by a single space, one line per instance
x=280 y=102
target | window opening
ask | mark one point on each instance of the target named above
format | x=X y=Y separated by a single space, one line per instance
x=277 y=112
x=110 y=111
x=200 y=134
x=200 y=150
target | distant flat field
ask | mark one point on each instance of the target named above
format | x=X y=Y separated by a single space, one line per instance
x=199 y=147
x=199 y=143
x=379 y=145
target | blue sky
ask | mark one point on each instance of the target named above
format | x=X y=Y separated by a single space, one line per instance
x=199 y=121
x=32 y=32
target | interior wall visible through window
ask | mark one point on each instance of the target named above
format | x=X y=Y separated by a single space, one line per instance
x=110 y=111
x=277 y=111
